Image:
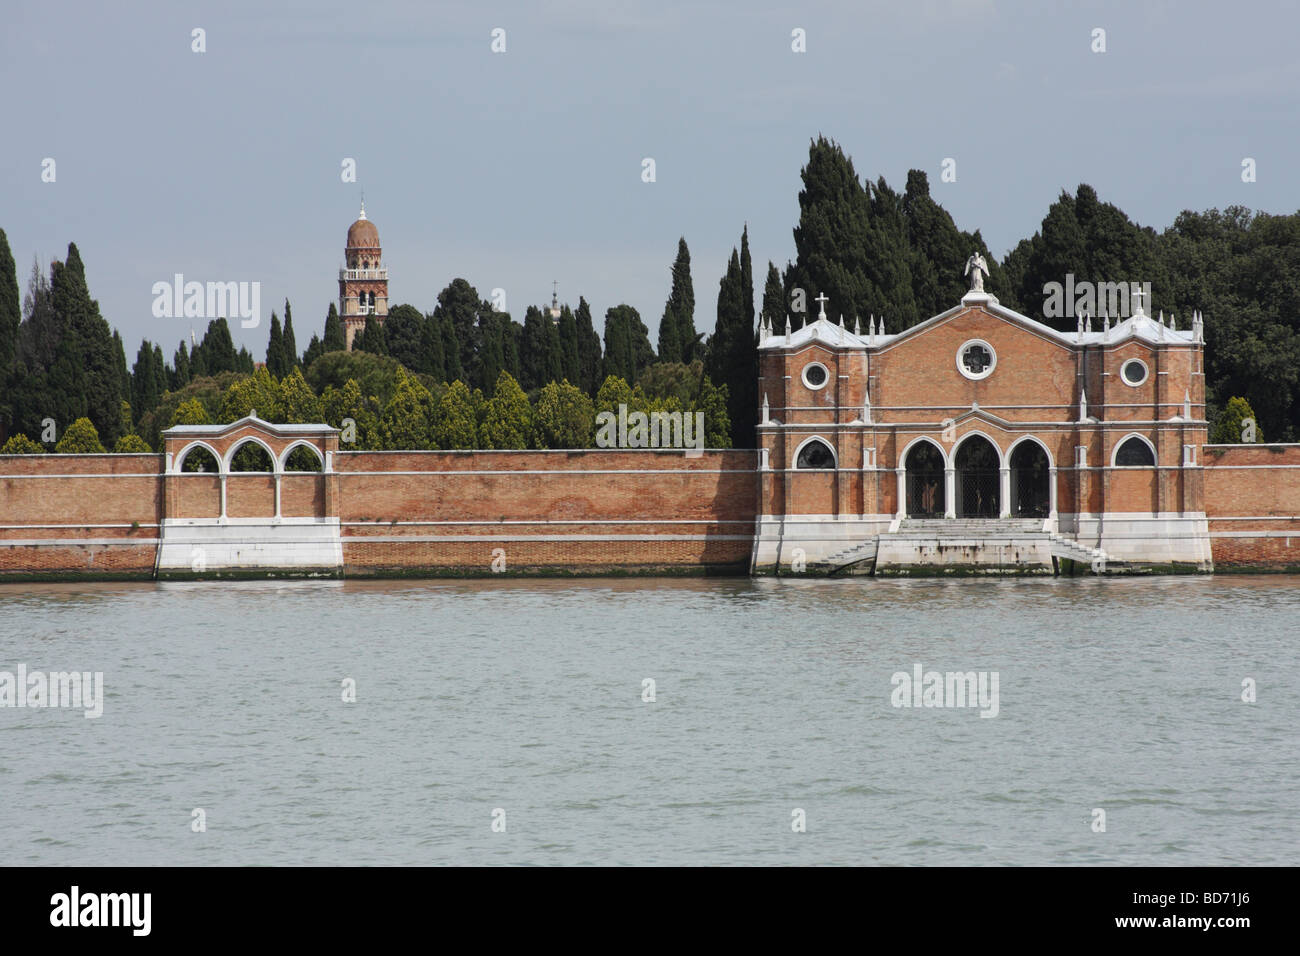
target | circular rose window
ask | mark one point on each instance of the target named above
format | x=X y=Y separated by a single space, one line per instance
x=976 y=359
x=1134 y=372
x=815 y=375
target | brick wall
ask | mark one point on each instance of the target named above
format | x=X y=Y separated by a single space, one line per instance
x=1252 y=495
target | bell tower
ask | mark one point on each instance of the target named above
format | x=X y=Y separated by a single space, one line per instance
x=363 y=280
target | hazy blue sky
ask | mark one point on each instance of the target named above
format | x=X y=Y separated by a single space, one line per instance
x=518 y=168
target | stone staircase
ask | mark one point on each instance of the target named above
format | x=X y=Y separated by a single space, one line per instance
x=978 y=536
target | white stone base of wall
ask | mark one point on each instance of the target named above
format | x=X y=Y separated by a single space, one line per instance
x=197 y=545
x=781 y=542
x=1145 y=539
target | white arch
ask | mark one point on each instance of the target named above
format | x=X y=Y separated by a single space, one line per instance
x=300 y=443
x=178 y=460
x=1051 y=463
x=230 y=454
x=907 y=450
x=1002 y=459
x=812 y=438
x=1114 y=452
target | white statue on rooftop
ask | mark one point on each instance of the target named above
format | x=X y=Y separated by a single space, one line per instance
x=977 y=268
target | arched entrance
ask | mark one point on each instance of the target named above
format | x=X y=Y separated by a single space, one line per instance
x=1030 y=481
x=925 y=481
x=978 y=478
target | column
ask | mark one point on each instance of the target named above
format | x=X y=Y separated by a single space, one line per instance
x=1051 y=497
x=902 y=492
x=277 y=496
x=1004 y=492
x=950 y=492
x=223 y=497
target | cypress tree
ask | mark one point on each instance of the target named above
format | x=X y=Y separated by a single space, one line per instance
x=589 y=377
x=733 y=354
x=432 y=360
x=86 y=363
x=219 y=349
x=161 y=376
x=747 y=277
x=181 y=361
x=289 y=347
x=10 y=307
x=534 y=350
x=334 y=339
x=774 y=299
x=677 y=338
x=144 y=382
x=570 y=350
x=275 y=348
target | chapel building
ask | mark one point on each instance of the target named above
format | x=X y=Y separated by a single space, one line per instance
x=981 y=440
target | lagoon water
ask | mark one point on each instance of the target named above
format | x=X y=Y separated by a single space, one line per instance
x=770 y=696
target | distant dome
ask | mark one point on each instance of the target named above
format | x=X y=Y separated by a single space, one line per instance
x=362 y=234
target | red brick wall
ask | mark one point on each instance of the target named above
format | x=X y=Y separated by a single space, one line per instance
x=589 y=511
x=1260 y=484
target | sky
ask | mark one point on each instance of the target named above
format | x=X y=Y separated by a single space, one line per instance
x=516 y=168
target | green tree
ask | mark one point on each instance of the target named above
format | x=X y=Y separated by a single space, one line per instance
x=218 y=349
x=677 y=337
x=432 y=358
x=375 y=374
x=508 y=419
x=404 y=334
x=540 y=350
x=181 y=363
x=407 y=421
x=563 y=418
x=455 y=424
x=733 y=354
x=190 y=412
x=289 y=345
x=372 y=337
x=88 y=362
x=355 y=415
x=589 y=354
x=298 y=403
x=145 y=393
x=627 y=343
x=258 y=393
x=275 y=361
x=10 y=310
x=335 y=338
x=1236 y=425
x=80 y=438
x=20 y=444
x=570 y=346
x=131 y=444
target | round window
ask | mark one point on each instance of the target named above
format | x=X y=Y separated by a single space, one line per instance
x=976 y=359
x=815 y=375
x=1134 y=372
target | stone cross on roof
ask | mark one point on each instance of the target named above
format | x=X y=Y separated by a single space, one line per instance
x=823 y=300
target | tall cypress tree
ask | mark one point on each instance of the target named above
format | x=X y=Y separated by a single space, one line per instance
x=733 y=354
x=570 y=350
x=334 y=339
x=289 y=347
x=275 y=349
x=87 y=363
x=774 y=299
x=219 y=349
x=432 y=361
x=10 y=308
x=589 y=377
x=181 y=361
x=677 y=337
x=534 y=352
x=746 y=277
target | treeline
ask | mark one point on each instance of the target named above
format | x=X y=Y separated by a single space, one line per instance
x=869 y=249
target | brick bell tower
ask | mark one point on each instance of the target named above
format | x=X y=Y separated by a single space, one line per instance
x=363 y=280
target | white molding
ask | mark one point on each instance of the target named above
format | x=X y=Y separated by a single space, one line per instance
x=794 y=459
x=974 y=376
x=1114 y=453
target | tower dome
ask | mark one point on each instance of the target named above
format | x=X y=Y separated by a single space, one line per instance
x=362 y=234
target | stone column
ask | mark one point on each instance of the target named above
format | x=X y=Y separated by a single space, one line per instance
x=1004 y=492
x=950 y=492
x=902 y=492
x=1051 y=497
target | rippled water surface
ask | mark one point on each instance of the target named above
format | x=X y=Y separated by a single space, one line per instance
x=770 y=696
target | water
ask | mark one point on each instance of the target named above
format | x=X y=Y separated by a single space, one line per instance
x=771 y=695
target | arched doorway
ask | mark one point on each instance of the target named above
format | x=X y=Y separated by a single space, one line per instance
x=1030 y=478
x=925 y=481
x=978 y=478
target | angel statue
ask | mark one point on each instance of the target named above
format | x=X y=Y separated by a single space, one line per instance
x=977 y=269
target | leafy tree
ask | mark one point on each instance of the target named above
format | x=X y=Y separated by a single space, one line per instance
x=1230 y=427
x=259 y=393
x=347 y=402
x=615 y=391
x=372 y=337
x=375 y=374
x=80 y=438
x=407 y=421
x=459 y=308
x=335 y=338
x=131 y=444
x=404 y=335
x=20 y=444
x=508 y=419
x=455 y=424
x=563 y=418
x=299 y=404
x=190 y=412
x=627 y=343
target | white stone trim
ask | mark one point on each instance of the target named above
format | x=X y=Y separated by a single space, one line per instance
x=1146 y=372
x=976 y=376
x=1114 y=452
x=794 y=459
x=809 y=385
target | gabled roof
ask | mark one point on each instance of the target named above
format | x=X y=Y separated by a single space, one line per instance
x=1138 y=326
x=250 y=419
